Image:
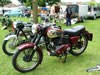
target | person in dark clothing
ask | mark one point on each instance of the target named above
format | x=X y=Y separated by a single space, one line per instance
x=68 y=15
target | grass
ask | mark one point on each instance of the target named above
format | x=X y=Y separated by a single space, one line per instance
x=52 y=65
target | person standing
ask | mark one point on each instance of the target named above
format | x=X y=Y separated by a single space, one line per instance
x=68 y=15
x=52 y=13
x=61 y=15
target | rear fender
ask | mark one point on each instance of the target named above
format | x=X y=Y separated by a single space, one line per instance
x=27 y=45
x=89 y=35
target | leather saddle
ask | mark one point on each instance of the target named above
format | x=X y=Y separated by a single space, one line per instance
x=74 y=31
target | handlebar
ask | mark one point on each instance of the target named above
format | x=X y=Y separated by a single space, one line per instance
x=20 y=25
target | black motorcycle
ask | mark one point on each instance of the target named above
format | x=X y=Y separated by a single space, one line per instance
x=21 y=35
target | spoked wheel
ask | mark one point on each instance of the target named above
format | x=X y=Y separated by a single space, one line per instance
x=9 y=46
x=23 y=62
x=80 y=47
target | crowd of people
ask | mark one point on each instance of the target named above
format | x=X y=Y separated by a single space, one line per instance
x=60 y=15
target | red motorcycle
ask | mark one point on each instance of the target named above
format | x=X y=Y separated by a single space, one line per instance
x=58 y=43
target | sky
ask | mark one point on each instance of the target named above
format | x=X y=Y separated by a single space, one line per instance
x=16 y=1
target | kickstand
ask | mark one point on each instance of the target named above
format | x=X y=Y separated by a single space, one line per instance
x=65 y=58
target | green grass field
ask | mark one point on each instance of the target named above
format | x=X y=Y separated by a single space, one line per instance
x=75 y=65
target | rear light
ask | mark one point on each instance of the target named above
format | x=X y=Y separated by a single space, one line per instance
x=79 y=19
x=91 y=36
x=91 y=9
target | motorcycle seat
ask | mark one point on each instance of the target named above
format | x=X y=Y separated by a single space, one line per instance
x=74 y=31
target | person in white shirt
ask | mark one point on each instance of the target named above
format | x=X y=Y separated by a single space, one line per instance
x=52 y=13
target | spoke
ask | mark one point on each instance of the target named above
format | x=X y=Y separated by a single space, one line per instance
x=27 y=52
x=80 y=46
x=27 y=64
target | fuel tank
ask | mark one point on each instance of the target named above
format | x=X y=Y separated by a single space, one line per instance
x=54 y=32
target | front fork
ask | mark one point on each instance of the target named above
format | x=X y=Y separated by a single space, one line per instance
x=35 y=44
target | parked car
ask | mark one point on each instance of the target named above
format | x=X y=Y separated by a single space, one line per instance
x=93 y=11
x=1 y=13
x=13 y=13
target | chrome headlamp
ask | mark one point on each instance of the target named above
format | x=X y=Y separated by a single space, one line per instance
x=34 y=28
x=14 y=24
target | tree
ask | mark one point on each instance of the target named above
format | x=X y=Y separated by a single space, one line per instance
x=28 y=3
x=35 y=3
x=41 y=3
x=98 y=4
x=4 y=2
x=22 y=1
x=50 y=2
x=35 y=10
x=92 y=3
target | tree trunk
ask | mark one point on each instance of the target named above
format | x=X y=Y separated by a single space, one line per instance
x=35 y=10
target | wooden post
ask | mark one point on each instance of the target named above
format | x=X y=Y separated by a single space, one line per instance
x=35 y=10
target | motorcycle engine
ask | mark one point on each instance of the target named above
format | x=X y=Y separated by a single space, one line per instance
x=56 y=43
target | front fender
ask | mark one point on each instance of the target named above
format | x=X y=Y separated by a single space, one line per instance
x=27 y=45
x=12 y=33
x=10 y=36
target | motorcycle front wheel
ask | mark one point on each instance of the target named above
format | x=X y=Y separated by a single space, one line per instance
x=80 y=47
x=23 y=63
x=9 y=46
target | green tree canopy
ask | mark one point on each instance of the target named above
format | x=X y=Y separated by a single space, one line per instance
x=40 y=2
x=22 y=1
x=4 y=2
x=98 y=4
x=92 y=3
x=50 y=2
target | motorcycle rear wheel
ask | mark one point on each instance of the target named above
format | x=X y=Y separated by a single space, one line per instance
x=80 y=47
x=21 y=60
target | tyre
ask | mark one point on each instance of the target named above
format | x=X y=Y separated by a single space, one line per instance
x=21 y=60
x=6 y=16
x=9 y=46
x=83 y=20
x=80 y=47
x=20 y=15
x=94 y=17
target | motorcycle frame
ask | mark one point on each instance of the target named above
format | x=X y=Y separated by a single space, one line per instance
x=17 y=33
x=34 y=45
